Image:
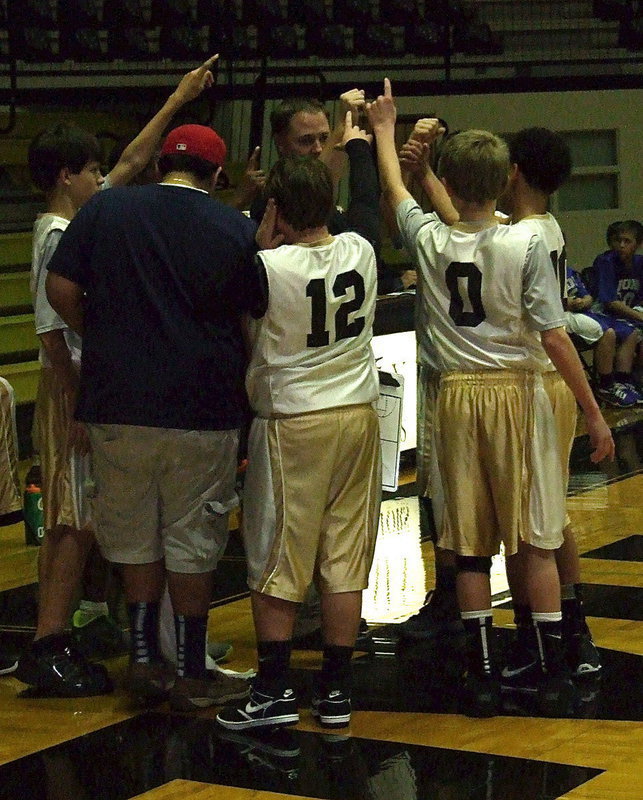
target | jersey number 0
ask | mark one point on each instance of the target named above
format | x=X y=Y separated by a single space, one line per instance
x=473 y=277
x=316 y=290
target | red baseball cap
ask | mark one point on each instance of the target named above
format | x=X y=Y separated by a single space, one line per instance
x=195 y=140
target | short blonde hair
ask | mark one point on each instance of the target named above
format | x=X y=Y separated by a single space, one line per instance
x=475 y=164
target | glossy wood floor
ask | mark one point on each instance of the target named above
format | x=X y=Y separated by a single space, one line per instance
x=406 y=740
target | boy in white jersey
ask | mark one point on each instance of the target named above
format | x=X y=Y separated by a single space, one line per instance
x=312 y=489
x=541 y=163
x=487 y=290
x=65 y=164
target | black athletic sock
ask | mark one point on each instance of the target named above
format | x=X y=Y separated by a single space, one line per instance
x=548 y=627
x=445 y=580
x=605 y=381
x=479 y=628
x=336 y=671
x=144 y=628
x=622 y=377
x=573 y=612
x=525 y=634
x=191 y=634
x=274 y=663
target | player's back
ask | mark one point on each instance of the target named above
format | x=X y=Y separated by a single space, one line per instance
x=484 y=294
x=311 y=349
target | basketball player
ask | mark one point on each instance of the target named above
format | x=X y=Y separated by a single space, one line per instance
x=540 y=164
x=487 y=289
x=313 y=480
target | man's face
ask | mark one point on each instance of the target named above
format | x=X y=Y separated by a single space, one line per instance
x=306 y=135
x=625 y=245
x=86 y=183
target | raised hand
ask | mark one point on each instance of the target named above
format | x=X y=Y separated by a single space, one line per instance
x=413 y=156
x=352 y=131
x=353 y=101
x=382 y=112
x=267 y=237
x=192 y=84
x=427 y=130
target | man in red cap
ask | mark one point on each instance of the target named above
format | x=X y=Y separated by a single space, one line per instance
x=156 y=278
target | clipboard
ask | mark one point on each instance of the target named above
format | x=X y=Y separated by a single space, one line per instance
x=389 y=411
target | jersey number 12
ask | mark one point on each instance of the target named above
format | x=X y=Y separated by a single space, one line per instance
x=316 y=290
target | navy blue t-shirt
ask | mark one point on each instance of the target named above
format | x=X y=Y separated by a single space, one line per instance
x=167 y=273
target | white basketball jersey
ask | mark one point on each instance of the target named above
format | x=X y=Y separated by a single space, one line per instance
x=46 y=319
x=311 y=350
x=549 y=230
x=484 y=294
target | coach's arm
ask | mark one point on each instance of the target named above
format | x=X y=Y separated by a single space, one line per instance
x=66 y=298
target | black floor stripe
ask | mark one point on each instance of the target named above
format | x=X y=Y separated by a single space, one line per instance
x=161 y=748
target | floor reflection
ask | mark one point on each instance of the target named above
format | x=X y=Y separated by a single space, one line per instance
x=160 y=748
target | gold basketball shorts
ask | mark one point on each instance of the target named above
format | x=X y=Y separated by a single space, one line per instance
x=499 y=463
x=311 y=501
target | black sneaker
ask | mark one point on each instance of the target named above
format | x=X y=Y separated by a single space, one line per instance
x=582 y=655
x=261 y=711
x=7 y=664
x=275 y=750
x=438 y=616
x=522 y=671
x=55 y=668
x=332 y=709
x=480 y=695
x=557 y=696
x=100 y=638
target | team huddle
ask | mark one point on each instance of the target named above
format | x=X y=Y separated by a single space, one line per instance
x=168 y=319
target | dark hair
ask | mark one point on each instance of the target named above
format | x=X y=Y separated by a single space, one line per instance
x=195 y=165
x=286 y=110
x=57 y=148
x=632 y=226
x=302 y=188
x=542 y=156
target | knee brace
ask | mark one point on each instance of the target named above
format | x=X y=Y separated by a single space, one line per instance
x=427 y=520
x=480 y=564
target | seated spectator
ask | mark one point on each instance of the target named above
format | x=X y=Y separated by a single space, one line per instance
x=615 y=345
x=619 y=273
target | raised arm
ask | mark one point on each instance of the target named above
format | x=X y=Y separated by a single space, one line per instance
x=362 y=214
x=414 y=159
x=333 y=153
x=382 y=115
x=142 y=148
x=251 y=184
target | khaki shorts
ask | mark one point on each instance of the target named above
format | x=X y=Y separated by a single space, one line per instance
x=66 y=476
x=563 y=404
x=9 y=484
x=163 y=493
x=311 y=501
x=499 y=462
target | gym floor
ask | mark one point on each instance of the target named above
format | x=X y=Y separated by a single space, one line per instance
x=406 y=740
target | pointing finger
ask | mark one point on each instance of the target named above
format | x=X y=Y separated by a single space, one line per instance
x=208 y=64
x=253 y=161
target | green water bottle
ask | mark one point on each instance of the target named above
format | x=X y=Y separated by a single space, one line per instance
x=32 y=507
